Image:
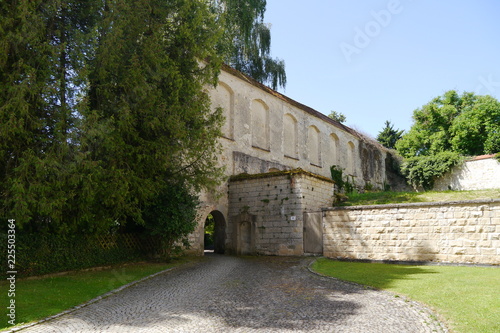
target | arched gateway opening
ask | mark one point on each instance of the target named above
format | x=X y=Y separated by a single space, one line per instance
x=215 y=232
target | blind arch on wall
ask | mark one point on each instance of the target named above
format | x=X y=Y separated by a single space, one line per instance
x=334 y=149
x=350 y=158
x=313 y=145
x=224 y=98
x=290 y=136
x=260 y=124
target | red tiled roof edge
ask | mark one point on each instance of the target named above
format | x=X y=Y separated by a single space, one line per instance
x=481 y=157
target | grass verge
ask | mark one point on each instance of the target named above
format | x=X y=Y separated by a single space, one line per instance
x=468 y=298
x=381 y=198
x=39 y=298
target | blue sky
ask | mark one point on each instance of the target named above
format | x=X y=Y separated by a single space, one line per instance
x=380 y=60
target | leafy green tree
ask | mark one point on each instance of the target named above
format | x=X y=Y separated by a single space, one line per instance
x=446 y=128
x=389 y=136
x=337 y=116
x=103 y=104
x=476 y=130
x=465 y=123
x=246 y=42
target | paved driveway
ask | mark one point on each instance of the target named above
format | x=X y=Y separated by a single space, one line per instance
x=233 y=294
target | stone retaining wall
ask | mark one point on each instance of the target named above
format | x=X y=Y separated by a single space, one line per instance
x=452 y=232
x=480 y=173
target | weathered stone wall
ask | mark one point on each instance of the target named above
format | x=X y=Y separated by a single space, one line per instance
x=453 y=232
x=267 y=126
x=483 y=172
x=265 y=131
x=266 y=211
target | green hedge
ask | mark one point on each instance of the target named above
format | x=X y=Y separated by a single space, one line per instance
x=43 y=254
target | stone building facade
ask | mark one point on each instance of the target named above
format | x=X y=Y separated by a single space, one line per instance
x=265 y=132
x=277 y=155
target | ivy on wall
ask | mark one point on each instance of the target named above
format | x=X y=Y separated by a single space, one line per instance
x=342 y=184
x=422 y=171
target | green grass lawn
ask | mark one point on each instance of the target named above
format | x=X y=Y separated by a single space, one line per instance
x=42 y=297
x=468 y=298
x=380 y=198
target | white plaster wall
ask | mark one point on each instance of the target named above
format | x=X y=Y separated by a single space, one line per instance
x=472 y=175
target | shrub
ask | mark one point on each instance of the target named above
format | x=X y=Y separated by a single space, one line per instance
x=171 y=217
x=342 y=186
x=38 y=254
x=421 y=171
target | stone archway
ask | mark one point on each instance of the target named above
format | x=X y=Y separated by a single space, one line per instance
x=215 y=232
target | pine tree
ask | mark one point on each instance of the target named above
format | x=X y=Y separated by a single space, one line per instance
x=389 y=136
x=103 y=104
x=38 y=72
x=149 y=121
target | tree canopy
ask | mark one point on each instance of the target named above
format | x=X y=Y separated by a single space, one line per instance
x=104 y=114
x=468 y=124
x=337 y=116
x=446 y=129
x=103 y=107
x=389 y=136
x=42 y=59
x=246 y=43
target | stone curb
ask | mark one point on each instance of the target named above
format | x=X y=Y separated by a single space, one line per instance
x=432 y=315
x=98 y=298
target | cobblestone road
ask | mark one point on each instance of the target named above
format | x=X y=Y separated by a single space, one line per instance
x=232 y=294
